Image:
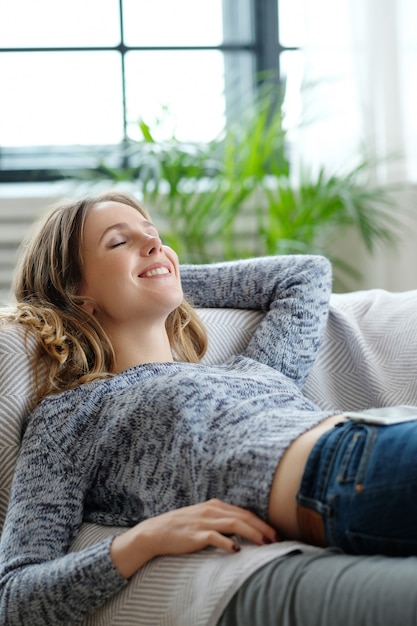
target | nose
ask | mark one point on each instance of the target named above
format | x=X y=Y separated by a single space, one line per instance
x=152 y=244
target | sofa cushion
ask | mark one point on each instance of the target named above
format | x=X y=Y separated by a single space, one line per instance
x=16 y=400
x=368 y=357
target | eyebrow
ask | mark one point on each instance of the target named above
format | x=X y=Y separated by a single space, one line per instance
x=120 y=226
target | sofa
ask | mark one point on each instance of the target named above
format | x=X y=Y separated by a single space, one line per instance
x=368 y=358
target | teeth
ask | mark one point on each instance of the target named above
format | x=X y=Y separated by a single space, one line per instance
x=156 y=272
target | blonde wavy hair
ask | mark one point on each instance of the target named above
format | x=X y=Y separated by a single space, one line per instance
x=72 y=344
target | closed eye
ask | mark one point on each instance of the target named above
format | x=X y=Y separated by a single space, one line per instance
x=116 y=245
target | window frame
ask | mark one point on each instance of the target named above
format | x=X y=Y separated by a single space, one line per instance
x=265 y=47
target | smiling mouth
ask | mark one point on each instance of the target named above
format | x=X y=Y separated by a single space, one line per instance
x=156 y=271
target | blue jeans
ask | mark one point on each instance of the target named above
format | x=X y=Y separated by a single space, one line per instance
x=362 y=480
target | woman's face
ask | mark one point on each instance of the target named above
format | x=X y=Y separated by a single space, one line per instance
x=126 y=271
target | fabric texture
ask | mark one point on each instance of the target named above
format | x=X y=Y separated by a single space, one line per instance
x=368 y=357
x=16 y=400
x=327 y=589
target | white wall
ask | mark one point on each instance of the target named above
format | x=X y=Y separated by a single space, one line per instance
x=392 y=268
x=20 y=206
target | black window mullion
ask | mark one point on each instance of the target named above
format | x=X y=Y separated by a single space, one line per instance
x=263 y=46
x=122 y=49
x=267 y=38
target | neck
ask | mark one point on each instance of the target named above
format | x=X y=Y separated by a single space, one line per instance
x=137 y=348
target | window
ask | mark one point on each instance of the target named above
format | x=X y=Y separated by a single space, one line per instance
x=77 y=76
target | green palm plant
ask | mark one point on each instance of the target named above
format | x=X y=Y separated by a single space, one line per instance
x=202 y=193
x=308 y=216
x=200 y=189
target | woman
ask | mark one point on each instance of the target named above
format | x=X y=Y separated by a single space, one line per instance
x=142 y=435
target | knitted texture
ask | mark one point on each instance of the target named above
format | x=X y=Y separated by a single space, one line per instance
x=159 y=436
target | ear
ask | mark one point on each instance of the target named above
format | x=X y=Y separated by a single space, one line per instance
x=88 y=306
x=88 y=303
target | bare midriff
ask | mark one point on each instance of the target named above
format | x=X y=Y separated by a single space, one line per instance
x=287 y=479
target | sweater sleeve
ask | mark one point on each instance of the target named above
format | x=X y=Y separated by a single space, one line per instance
x=40 y=582
x=293 y=291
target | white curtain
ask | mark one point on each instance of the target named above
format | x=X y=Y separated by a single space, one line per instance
x=359 y=96
x=360 y=82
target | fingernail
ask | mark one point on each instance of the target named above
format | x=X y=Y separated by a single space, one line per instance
x=236 y=547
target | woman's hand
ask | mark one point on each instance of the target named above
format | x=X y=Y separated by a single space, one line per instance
x=187 y=530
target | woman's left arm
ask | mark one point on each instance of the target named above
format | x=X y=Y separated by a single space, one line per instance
x=293 y=291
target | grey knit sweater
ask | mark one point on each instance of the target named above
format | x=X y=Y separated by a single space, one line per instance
x=159 y=436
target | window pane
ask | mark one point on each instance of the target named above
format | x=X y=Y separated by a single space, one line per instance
x=60 y=98
x=49 y=23
x=292 y=65
x=291 y=22
x=327 y=22
x=189 y=84
x=172 y=22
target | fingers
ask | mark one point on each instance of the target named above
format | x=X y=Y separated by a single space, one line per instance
x=227 y=519
x=230 y=519
x=219 y=540
x=212 y=523
x=186 y=530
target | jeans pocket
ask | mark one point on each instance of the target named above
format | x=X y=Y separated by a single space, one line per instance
x=360 y=543
x=375 y=520
x=355 y=455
